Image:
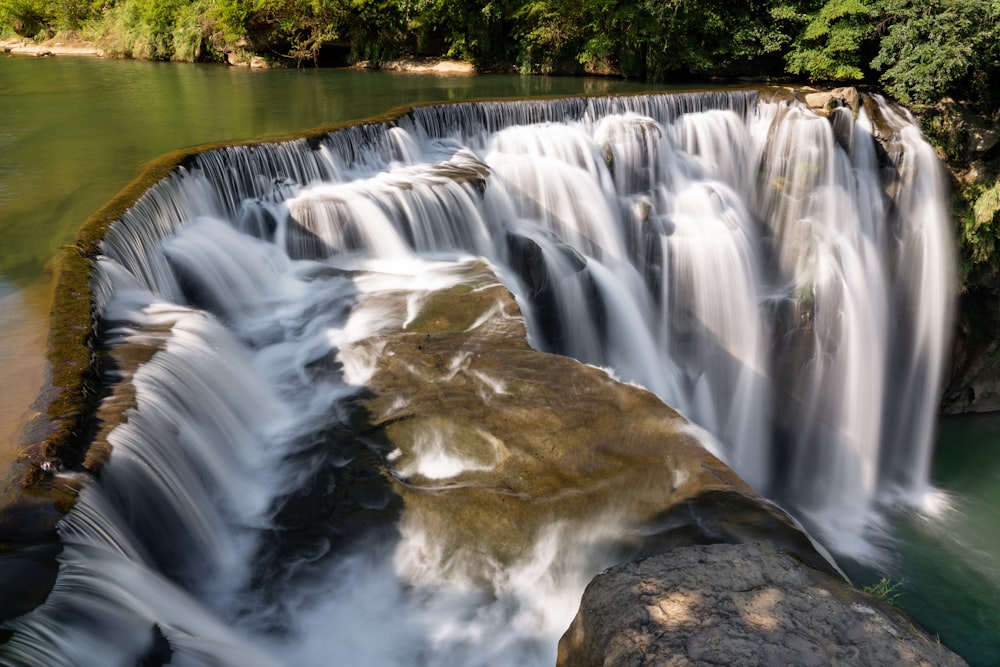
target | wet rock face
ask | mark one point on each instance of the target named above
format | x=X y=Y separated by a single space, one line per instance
x=969 y=143
x=973 y=383
x=827 y=100
x=746 y=604
x=491 y=442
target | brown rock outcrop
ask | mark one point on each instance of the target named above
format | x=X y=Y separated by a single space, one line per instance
x=737 y=605
x=529 y=439
x=824 y=101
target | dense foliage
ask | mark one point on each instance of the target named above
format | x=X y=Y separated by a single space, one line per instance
x=918 y=50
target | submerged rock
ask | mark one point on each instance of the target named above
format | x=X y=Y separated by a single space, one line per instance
x=746 y=604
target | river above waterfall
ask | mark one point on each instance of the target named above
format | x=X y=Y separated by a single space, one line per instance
x=403 y=94
x=76 y=130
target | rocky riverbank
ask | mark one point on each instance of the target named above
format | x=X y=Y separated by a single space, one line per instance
x=58 y=46
x=50 y=47
x=439 y=66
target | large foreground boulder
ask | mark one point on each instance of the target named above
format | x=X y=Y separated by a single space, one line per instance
x=737 y=604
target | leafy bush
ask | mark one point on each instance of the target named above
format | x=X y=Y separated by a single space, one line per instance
x=136 y=29
x=189 y=33
x=979 y=218
x=548 y=33
x=885 y=590
x=26 y=18
x=921 y=49
x=830 y=44
x=927 y=49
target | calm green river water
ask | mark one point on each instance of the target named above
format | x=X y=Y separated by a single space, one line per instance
x=75 y=130
x=949 y=564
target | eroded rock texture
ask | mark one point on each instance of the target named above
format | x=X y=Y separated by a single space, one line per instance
x=494 y=442
x=746 y=604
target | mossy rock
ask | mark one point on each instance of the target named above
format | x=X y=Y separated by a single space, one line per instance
x=987 y=206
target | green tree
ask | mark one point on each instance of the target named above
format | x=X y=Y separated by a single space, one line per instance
x=548 y=32
x=830 y=44
x=461 y=26
x=658 y=40
x=291 y=30
x=24 y=17
x=376 y=29
x=139 y=29
x=33 y=18
x=617 y=34
x=930 y=48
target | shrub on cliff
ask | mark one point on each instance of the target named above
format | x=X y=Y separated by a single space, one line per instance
x=829 y=44
x=934 y=48
x=37 y=18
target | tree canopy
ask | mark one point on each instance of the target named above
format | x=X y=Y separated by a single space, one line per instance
x=918 y=50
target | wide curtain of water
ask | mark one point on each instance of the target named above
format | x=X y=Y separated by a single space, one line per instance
x=75 y=130
x=779 y=277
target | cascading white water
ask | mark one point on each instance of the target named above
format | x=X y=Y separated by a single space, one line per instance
x=762 y=269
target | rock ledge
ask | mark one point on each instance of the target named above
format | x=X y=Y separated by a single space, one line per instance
x=737 y=604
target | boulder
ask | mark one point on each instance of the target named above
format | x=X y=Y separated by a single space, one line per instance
x=440 y=66
x=825 y=101
x=748 y=604
x=242 y=58
x=982 y=390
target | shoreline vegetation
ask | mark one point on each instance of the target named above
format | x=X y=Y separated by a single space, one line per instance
x=70 y=46
x=939 y=58
x=918 y=53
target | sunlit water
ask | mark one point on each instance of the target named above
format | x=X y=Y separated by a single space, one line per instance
x=652 y=241
x=75 y=130
x=944 y=558
x=22 y=347
x=530 y=604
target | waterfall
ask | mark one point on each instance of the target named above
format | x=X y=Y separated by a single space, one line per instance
x=781 y=278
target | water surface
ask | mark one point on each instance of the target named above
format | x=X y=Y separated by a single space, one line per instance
x=76 y=130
